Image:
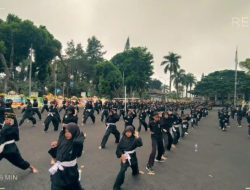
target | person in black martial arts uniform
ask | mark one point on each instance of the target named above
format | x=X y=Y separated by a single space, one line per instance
x=36 y=109
x=157 y=142
x=69 y=147
x=45 y=105
x=53 y=116
x=126 y=152
x=70 y=116
x=142 y=120
x=105 y=111
x=2 y=111
x=129 y=118
x=28 y=114
x=8 y=148
x=88 y=112
x=111 y=128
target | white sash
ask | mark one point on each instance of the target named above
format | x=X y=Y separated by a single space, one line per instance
x=128 y=157
x=60 y=165
x=3 y=145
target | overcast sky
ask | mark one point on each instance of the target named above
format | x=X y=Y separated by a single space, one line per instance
x=203 y=32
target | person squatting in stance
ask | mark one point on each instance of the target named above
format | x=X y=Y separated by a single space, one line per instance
x=9 y=134
x=53 y=116
x=36 y=109
x=28 y=113
x=45 y=105
x=111 y=128
x=64 y=173
x=88 y=112
x=126 y=152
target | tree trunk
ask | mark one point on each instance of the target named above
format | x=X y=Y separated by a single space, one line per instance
x=170 y=81
x=7 y=72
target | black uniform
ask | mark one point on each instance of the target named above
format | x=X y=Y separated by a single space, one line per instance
x=127 y=145
x=88 y=112
x=28 y=114
x=45 y=105
x=142 y=121
x=111 y=128
x=67 y=150
x=54 y=117
x=157 y=142
x=36 y=109
x=10 y=151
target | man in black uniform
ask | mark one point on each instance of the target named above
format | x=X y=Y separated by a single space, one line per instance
x=28 y=114
x=63 y=105
x=157 y=142
x=105 y=111
x=45 y=105
x=142 y=121
x=88 y=112
x=36 y=109
x=8 y=148
x=111 y=128
x=53 y=116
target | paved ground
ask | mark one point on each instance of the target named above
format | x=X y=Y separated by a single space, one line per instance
x=221 y=163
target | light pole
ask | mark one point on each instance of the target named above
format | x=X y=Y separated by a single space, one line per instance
x=31 y=59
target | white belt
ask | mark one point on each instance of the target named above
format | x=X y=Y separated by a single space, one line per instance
x=89 y=110
x=108 y=124
x=3 y=145
x=128 y=157
x=61 y=165
x=50 y=114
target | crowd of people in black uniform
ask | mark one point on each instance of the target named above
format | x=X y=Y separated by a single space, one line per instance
x=166 y=122
x=233 y=112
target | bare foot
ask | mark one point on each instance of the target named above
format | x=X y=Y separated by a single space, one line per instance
x=33 y=170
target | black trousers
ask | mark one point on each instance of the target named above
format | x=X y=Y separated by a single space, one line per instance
x=157 y=143
x=105 y=114
x=176 y=136
x=29 y=117
x=16 y=159
x=111 y=129
x=168 y=141
x=52 y=119
x=36 y=110
x=45 y=107
x=121 y=175
x=142 y=122
x=73 y=186
x=87 y=115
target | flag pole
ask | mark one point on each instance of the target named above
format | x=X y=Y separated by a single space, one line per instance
x=235 y=77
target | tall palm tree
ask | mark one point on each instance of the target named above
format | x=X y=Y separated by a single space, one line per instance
x=171 y=62
x=178 y=78
x=190 y=80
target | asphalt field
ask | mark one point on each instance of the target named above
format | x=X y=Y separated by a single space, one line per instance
x=221 y=163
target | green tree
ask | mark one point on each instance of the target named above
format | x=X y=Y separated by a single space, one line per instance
x=188 y=81
x=246 y=65
x=17 y=36
x=178 y=79
x=221 y=83
x=109 y=79
x=155 y=84
x=136 y=64
x=171 y=63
